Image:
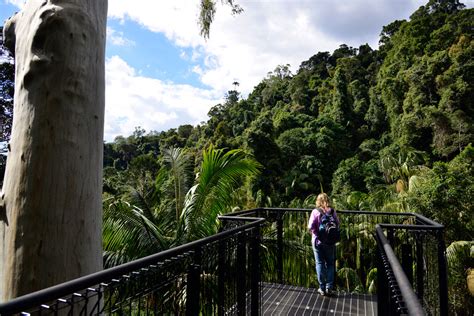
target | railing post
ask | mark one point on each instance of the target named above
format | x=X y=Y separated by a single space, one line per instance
x=221 y=278
x=443 y=274
x=407 y=261
x=391 y=237
x=241 y=273
x=255 y=272
x=382 y=289
x=420 y=263
x=193 y=285
x=280 y=248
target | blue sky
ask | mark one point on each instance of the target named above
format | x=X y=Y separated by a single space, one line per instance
x=161 y=74
x=140 y=52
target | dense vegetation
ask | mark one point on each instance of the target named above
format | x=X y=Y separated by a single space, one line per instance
x=369 y=126
x=388 y=130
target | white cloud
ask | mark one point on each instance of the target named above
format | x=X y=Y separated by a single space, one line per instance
x=116 y=38
x=241 y=48
x=133 y=100
x=176 y=19
x=18 y=3
x=183 y=55
x=268 y=33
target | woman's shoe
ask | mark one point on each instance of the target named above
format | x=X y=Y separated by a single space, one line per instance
x=321 y=292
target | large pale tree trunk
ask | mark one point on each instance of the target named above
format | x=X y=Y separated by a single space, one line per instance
x=50 y=206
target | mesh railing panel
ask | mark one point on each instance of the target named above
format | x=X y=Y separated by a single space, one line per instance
x=221 y=275
x=213 y=276
x=356 y=253
x=152 y=290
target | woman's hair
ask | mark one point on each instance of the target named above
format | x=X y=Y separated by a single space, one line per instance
x=322 y=200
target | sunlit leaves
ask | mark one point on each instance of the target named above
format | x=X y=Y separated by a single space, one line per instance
x=208 y=11
x=460 y=257
x=220 y=174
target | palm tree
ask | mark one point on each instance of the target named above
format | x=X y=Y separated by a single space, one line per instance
x=221 y=173
x=142 y=222
x=180 y=169
x=138 y=223
x=398 y=170
x=401 y=174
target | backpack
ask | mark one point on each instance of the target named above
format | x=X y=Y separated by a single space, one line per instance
x=329 y=233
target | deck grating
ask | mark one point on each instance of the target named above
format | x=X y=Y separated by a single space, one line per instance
x=281 y=299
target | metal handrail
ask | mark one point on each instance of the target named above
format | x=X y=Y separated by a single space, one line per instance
x=420 y=217
x=422 y=224
x=27 y=301
x=249 y=219
x=402 y=285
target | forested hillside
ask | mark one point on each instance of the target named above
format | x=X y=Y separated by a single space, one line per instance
x=385 y=129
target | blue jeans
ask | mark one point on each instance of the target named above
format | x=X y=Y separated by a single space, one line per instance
x=325 y=259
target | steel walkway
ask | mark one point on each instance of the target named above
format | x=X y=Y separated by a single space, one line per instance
x=292 y=300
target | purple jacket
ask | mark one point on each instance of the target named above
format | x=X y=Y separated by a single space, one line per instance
x=313 y=224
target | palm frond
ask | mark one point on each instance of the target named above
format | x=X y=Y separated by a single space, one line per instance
x=129 y=233
x=220 y=175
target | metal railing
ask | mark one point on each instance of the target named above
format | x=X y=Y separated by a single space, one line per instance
x=216 y=275
x=222 y=274
x=422 y=251
x=416 y=242
x=395 y=293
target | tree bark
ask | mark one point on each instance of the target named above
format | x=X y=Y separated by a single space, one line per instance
x=51 y=201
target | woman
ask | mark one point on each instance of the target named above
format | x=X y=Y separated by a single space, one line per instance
x=324 y=253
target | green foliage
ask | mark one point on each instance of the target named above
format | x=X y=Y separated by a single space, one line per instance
x=330 y=124
x=275 y=86
x=427 y=65
x=348 y=177
x=460 y=256
x=372 y=281
x=220 y=174
x=349 y=281
x=140 y=227
x=382 y=130
x=208 y=11
x=180 y=172
x=156 y=213
x=445 y=195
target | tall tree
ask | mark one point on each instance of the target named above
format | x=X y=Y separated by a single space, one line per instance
x=51 y=198
x=178 y=162
x=50 y=204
